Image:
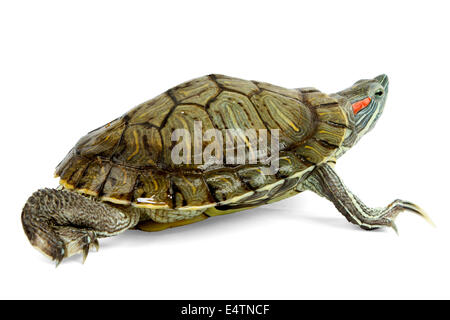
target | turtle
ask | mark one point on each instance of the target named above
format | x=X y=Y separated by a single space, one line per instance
x=124 y=175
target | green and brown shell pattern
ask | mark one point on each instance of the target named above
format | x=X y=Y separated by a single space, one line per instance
x=129 y=158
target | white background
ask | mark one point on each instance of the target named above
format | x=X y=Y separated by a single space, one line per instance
x=69 y=67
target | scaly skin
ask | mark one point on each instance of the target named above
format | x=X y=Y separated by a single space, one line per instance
x=63 y=223
x=325 y=182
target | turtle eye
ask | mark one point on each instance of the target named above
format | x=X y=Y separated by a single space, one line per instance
x=379 y=93
x=361 y=104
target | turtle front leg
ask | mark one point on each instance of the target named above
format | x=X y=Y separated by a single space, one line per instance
x=63 y=223
x=325 y=182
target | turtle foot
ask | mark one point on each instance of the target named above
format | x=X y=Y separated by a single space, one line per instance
x=325 y=182
x=386 y=217
x=64 y=242
x=75 y=241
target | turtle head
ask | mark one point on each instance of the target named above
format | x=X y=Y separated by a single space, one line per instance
x=363 y=102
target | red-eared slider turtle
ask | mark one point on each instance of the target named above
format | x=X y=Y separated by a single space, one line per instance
x=124 y=175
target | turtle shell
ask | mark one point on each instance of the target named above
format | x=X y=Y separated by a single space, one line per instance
x=128 y=161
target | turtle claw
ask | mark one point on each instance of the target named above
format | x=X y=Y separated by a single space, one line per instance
x=74 y=241
x=58 y=262
x=387 y=216
x=394 y=226
x=86 y=246
x=96 y=244
x=416 y=209
x=85 y=254
x=59 y=257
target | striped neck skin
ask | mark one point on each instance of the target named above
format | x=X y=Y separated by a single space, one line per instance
x=363 y=104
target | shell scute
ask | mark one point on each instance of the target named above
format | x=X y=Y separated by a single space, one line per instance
x=316 y=98
x=289 y=164
x=152 y=112
x=254 y=178
x=197 y=91
x=290 y=116
x=332 y=114
x=71 y=169
x=152 y=190
x=119 y=185
x=94 y=177
x=102 y=141
x=314 y=151
x=183 y=118
x=233 y=110
x=226 y=186
x=291 y=93
x=139 y=147
x=329 y=133
x=243 y=86
x=193 y=190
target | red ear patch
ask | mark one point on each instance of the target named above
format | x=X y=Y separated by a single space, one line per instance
x=359 y=105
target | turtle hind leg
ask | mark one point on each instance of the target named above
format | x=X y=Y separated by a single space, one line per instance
x=63 y=223
x=325 y=182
